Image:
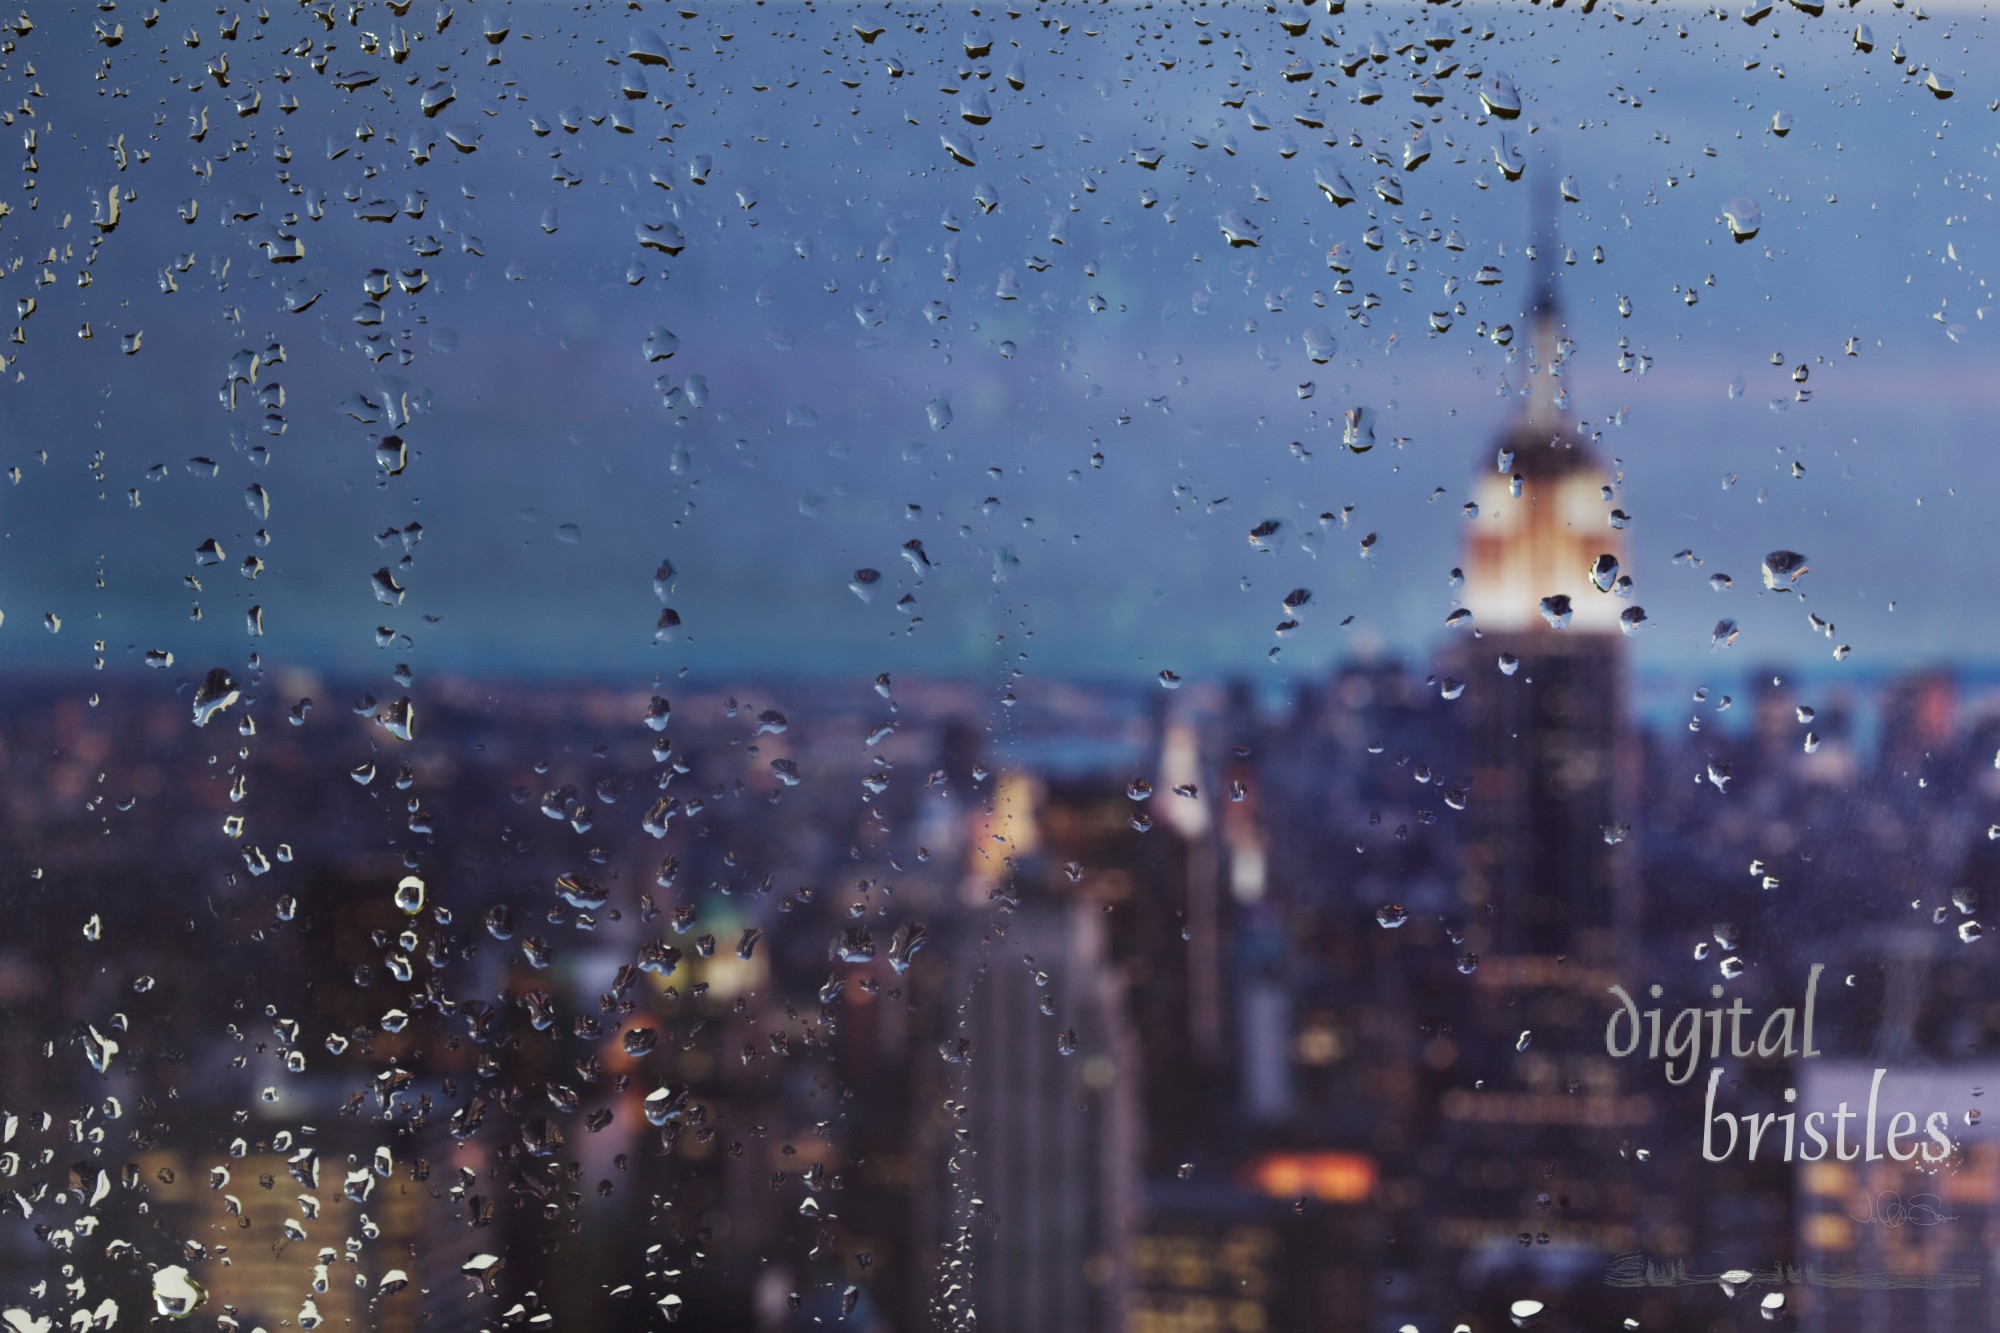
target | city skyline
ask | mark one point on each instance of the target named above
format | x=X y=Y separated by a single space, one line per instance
x=911 y=669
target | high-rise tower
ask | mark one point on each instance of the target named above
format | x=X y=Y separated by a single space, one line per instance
x=1545 y=729
x=1530 y=1194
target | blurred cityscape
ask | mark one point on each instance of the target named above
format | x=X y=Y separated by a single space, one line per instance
x=905 y=1005
x=1029 y=1003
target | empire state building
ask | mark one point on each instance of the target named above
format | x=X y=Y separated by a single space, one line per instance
x=1546 y=738
x=1534 y=1110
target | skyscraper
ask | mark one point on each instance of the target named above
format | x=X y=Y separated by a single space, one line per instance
x=1527 y=1195
x=1051 y=1174
x=1545 y=734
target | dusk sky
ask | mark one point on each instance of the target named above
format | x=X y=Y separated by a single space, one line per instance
x=841 y=278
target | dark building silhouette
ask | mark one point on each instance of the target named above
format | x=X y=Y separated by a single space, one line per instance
x=1544 y=717
x=1047 y=1184
x=1533 y=1191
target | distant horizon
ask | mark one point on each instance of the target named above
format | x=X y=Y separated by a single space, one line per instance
x=1659 y=699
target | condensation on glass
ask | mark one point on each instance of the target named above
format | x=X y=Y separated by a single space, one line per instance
x=1107 y=667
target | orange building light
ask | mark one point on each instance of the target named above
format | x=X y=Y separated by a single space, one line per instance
x=1331 y=1177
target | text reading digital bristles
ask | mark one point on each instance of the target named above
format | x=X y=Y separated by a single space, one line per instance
x=1696 y=1035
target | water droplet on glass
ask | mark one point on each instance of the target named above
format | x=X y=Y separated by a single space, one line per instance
x=1332 y=183
x=1359 y=432
x=1239 y=230
x=661 y=343
x=217 y=692
x=397 y=718
x=1783 y=569
x=1499 y=96
x=175 y=1294
x=1743 y=214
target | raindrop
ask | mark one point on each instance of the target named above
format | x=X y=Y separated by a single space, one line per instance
x=397 y=718
x=1333 y=184
x=1359 y=431
x=175 y=1294
x=216 y=693
x=1239 y=231
x=1499 y=96
x=1783 y=569
x=1743 y=216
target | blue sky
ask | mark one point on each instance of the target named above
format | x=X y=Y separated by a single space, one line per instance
x=1141 y=336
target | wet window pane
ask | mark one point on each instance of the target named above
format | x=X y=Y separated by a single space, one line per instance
x=1083 y=667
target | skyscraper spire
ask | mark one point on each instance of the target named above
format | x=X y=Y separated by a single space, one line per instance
x=1545 y=321
x=1542 y=238
x=1541 y=503
x=1546 y=737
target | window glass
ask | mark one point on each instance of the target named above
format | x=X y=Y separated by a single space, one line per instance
x=1133 y=667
